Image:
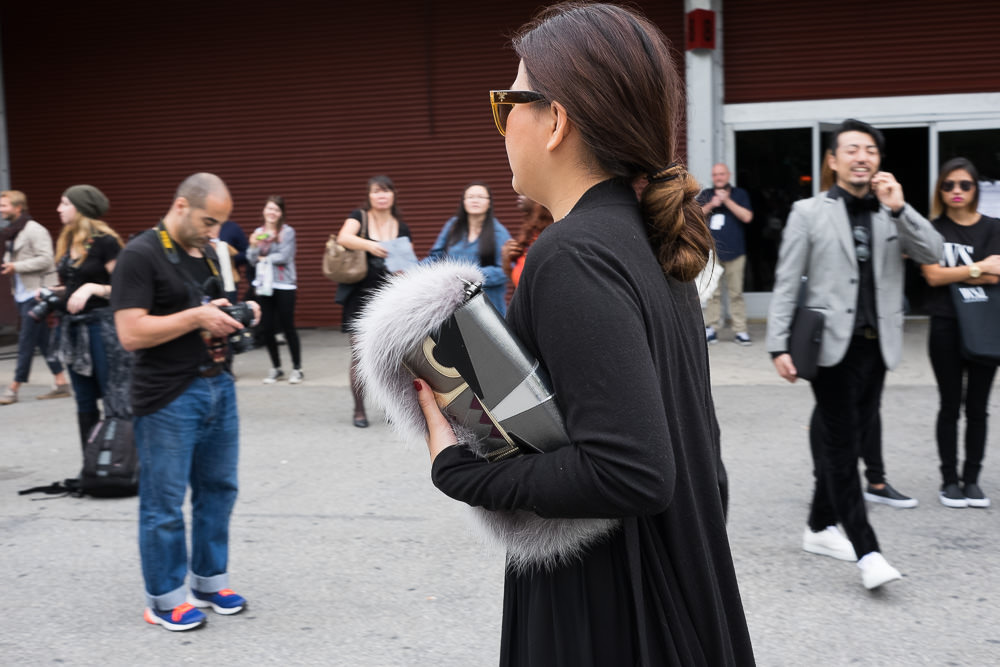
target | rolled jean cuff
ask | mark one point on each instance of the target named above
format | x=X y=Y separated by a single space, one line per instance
x=167 y=601
x=212 y=584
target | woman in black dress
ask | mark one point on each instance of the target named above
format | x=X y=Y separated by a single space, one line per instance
x=971 y=244
x=607 y=303
x=382 y=222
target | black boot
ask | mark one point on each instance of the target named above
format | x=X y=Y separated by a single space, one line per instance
x=87 y=421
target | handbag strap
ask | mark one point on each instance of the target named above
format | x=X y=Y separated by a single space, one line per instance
x=364 y=224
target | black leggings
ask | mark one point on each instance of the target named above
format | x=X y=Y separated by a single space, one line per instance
x=277 y=313
x=950 y=369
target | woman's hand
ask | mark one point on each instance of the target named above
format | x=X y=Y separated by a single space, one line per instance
x=439 y=433
x=78 y=299
x=376 y=249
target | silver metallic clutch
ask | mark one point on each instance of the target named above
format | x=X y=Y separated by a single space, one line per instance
x=485 y=380
x=434 y=321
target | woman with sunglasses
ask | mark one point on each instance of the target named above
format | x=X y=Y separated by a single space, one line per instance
x=378 y=219
x=631 y=563
x=473 y=234
x=972 y=241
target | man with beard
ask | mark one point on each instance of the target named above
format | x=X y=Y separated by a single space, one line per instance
x=27 y=259
x=166 y=295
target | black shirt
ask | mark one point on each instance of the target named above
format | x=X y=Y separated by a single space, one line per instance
x=92 y=269
x=859 y=214
x=963 y=245
x=144 y=278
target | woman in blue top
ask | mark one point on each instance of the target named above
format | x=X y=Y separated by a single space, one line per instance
x=473 y=234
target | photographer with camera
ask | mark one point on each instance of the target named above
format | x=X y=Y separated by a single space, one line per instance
x=168 y=310
x=86 y=252
x=26 y=257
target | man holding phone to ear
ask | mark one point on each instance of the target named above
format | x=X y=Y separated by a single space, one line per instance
x=849 y=243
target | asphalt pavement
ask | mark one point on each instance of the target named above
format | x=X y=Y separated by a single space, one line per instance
x=349 y=556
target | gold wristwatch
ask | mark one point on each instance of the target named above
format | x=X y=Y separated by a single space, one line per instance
x=975 y=271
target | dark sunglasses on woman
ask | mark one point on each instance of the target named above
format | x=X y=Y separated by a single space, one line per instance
x=948 y=186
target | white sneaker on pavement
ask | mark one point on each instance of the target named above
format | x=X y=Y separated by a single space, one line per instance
x=875 y=571
x=828 y=542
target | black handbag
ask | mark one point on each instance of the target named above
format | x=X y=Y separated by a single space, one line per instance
x=805 y=337
x=978 y=310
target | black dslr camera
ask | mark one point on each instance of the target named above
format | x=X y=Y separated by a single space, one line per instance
x=242 y=340
x=48 y=301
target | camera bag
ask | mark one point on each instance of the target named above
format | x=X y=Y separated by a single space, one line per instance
x=110 y=460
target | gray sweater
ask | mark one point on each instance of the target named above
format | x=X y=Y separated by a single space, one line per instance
x=282 y=256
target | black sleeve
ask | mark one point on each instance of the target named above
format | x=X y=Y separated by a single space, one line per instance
x=108 y=248
x=404 y=229
x=588 y=329
x=132 y=279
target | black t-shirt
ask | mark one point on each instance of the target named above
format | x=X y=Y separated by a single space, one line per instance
x=963 y=245
x=103 y=249
x=144 y=278
x=376 y=265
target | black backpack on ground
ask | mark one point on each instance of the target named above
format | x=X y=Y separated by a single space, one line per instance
x=110 y=464
x=110 y=461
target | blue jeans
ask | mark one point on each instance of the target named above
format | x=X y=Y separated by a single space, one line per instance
x=88 y=388
x=33 y=334
x=193 y=440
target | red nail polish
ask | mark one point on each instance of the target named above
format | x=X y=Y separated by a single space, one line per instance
x=416 y=385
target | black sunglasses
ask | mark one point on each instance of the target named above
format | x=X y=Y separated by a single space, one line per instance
x=503 y=102
x=948 y=186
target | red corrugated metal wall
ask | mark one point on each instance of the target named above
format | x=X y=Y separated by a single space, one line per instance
x=792 y=50
x=304 y=99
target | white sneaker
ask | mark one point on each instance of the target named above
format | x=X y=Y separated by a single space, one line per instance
x=296 y=377
x=875 y=571
x=828 y=542
x=275 y=375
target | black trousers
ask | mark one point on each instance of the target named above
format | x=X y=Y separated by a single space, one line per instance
x=952 y=372
x=871 y=447
x=277 y=313
x=847 y=403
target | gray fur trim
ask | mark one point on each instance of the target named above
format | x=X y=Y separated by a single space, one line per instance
x=396 y=320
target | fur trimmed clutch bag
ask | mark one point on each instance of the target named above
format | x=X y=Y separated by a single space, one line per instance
x=435 y=323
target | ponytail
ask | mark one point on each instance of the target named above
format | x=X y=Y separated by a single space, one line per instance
x=675 y=223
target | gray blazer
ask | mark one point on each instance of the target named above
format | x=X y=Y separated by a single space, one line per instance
x=818 y=244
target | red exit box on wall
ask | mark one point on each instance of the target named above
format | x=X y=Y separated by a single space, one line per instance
x=700 y=29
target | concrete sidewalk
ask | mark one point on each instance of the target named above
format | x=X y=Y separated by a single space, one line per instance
x=349 y=556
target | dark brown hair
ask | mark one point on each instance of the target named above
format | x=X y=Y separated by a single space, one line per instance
x=612 y=70
x=937 y=206
x=278 y=201
x=487 y=235
x=385 y=183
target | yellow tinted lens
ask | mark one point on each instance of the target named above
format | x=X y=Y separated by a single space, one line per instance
x=500 y=113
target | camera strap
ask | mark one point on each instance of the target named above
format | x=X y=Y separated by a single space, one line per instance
x=173 y=256
x=217 y=347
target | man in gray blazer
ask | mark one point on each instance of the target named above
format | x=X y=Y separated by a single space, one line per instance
x=849 y=244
